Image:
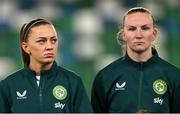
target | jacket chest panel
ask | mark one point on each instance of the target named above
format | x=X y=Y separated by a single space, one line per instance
x=52 y=99
x=139 y=91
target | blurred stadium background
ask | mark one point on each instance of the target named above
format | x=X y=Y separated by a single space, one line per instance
x=87 y=31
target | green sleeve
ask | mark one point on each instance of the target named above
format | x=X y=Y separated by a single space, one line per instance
x=4 y=102
x=98 y=95
x=175 y=107
x=81 y=100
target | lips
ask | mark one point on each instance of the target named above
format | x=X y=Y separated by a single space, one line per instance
x=138 y=43
x=49 y=55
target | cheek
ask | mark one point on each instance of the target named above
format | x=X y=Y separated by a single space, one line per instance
x=128 y=36
x=35 y=49
x=56 y=47
x=125 y=37
x=151 y=38
x=56 y=50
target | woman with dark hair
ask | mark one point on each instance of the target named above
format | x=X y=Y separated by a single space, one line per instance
x=42 y=85
x=140 y=81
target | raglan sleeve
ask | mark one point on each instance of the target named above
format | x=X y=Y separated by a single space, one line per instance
x=4 y=105
x=98 y=95
x=175 y=108
x=81 y=100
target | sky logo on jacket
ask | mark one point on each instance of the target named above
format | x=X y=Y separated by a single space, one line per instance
x=59 y=105
x=21 y=95
x=158 y=101
x=120 y=86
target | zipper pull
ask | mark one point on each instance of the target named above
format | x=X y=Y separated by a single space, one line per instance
x=40 y=91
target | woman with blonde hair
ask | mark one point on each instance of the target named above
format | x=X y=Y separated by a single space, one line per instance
x=140 y=81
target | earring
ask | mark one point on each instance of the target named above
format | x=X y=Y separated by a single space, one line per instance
x=29 y=52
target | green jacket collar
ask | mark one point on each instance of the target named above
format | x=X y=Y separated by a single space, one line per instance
x=47 y=73
x=152 y=60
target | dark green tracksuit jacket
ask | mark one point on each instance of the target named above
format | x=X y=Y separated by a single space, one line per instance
x=129 y=86
x=59 y=91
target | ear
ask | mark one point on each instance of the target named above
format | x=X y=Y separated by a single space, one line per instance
x=155 y=32
x=24 y=46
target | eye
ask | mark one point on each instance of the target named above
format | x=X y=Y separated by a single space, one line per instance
x=54 y=40
x=132 y=29
x=42 y=41
x=145 y=28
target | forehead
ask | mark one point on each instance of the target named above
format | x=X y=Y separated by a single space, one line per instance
x=43 y=29
x=42 y=26
x=138 y=18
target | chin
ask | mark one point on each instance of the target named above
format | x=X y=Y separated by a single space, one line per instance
x=139 y=50
x=48 y=61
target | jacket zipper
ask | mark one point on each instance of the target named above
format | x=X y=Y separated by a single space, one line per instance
x=140 y=85
x=40 y=97
x=41 y=94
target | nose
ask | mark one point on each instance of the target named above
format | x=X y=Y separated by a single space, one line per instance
x=49 y=45
x=139 y=33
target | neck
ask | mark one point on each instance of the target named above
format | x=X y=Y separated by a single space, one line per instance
x=141 y=56
x=39 y=67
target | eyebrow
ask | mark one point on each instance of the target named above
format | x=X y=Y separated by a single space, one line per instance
x=46 y=37
x=135 y=26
